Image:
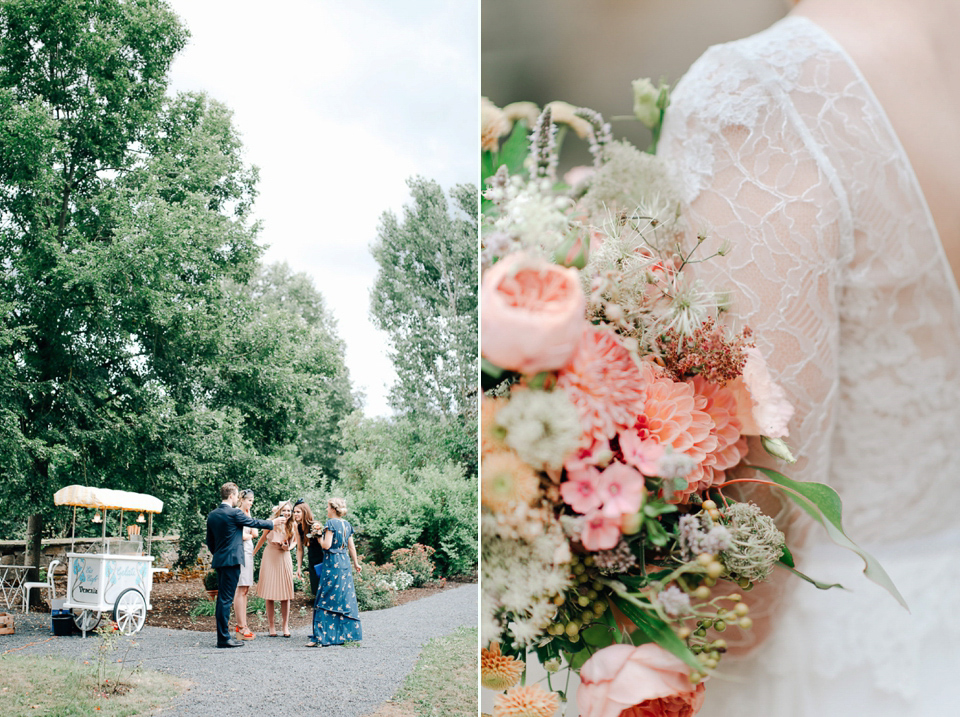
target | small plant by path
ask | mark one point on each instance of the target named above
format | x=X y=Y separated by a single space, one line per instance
x=45 y=685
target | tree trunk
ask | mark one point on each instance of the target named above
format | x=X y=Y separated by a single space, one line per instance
x=34 y=554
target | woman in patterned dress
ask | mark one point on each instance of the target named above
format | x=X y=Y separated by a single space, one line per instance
x=336 y=618
x=246 y=570
x=276 y=569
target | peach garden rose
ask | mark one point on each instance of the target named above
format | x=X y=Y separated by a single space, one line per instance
x=532 y=314
x=645 y=678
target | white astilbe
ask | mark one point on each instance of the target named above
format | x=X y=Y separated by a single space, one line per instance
x=629 y=179
x=520 y=579
x=673 y=465
x=531 y=213
x=542 y=427
x=674 y=601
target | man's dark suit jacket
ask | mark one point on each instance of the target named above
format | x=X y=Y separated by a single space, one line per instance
x=225 y=534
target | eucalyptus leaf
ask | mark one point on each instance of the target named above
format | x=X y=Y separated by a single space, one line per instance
x=822 y=503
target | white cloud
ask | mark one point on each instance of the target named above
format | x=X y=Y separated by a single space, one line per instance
x=338 y=103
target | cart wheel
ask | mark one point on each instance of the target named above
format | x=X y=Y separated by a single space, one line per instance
x=86 y=620
x=130 y=611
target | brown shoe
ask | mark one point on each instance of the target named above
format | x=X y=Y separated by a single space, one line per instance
x=247 y=635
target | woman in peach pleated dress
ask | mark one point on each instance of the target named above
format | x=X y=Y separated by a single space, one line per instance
x=276 y=569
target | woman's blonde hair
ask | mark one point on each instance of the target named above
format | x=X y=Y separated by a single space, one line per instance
x=288 y=526
x=339 y=505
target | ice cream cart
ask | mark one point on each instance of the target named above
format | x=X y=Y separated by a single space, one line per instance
x=116 y=577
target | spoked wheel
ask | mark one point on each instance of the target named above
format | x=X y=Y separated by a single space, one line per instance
x=130 y=611
x=86 y=620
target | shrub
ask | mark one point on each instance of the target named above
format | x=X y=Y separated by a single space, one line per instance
x=435 y=506
x=415 y=561
x=210 y=580
x=402 y=581
x=374 y=589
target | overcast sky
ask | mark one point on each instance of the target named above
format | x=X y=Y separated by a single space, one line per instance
x=338 y=103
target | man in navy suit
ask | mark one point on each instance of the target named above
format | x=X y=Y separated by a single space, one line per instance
x=225 y=540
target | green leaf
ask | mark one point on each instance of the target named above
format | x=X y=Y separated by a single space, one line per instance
x=655 y=532
x=576 y=660
x=598 y=636
x=817 y=583
x=652 y=627
x=787 y=558
x=491 y=369
x=822 y=503
x=489 y=162
x=515 y=149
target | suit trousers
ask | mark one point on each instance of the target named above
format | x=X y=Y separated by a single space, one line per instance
x=227 y=579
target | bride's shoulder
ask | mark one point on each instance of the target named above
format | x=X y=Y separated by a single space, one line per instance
x=734 y=79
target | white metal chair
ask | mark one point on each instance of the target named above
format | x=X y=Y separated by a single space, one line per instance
x=27 y=587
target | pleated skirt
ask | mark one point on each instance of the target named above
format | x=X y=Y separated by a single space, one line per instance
x=276 y=574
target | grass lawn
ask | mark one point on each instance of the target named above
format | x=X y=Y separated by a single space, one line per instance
x=443 y=682
x=58 y=687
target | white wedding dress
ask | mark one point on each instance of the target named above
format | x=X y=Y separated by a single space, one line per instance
x=784 y=151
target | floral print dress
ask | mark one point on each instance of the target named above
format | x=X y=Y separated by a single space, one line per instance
x=336 y=618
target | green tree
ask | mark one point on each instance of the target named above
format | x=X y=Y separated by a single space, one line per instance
x=122 y=212
x=425 y=299
x=281 y=292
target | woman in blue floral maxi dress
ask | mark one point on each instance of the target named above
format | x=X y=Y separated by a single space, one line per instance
x=336 y=618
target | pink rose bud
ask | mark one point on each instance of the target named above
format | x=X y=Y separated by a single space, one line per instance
x=573 y=251
x=532 y=314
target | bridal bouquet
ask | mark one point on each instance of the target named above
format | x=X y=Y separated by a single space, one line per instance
x=616 y=404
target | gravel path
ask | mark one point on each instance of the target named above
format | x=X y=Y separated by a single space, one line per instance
x=277 y=676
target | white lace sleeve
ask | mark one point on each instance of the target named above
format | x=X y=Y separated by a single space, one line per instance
x=755 y=182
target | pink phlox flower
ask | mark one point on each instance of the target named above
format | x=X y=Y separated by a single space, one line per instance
x=596 y=453
x=621 y=490
x=600 y=532
x=642 y=451
x=579 y=491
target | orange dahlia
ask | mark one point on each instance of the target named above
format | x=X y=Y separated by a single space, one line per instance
x=529 y=701
x=498 y=671
x=730 y=447
x=491 y=435
x=605 y=384
x=671 y=417
x=506 y=482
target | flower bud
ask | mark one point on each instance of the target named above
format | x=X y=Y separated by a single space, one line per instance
x=573 y=251
x=777 y=448
x=645 y=97
x=630 y=523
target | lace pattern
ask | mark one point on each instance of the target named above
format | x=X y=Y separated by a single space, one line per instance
x=784 y=152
